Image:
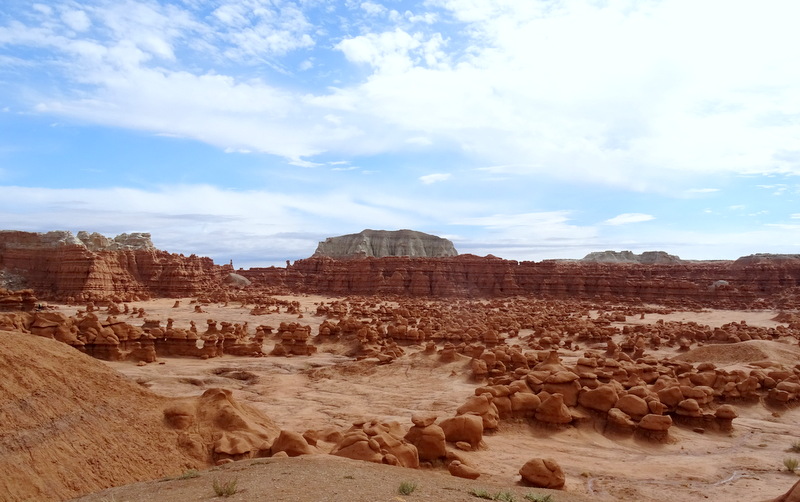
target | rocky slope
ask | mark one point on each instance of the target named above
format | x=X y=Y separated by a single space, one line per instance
x=380 y=243
x=69 y=425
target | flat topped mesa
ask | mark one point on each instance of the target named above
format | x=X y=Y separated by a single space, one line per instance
x=14 y=239
x=646 y=258
x=380 y=243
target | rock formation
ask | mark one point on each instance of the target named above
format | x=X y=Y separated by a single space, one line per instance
x=380 y=243
x=751 y=282
x=543 y=473
x=71 y=425
x=646 y=258
x=58 y=265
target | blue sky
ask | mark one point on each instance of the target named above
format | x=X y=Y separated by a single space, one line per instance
x=252 y=129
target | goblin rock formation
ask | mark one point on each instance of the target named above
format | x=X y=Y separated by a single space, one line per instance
x=380 y=243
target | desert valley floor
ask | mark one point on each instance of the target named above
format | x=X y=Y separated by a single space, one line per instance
x=329 y=389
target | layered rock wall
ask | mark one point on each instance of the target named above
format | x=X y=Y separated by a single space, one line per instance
x=747 y=282
x=57 y=265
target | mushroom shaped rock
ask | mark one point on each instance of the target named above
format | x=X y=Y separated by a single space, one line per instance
x=671 y=396
x=655 y=426
x=543 y=473
x=619 y=421
x=467 y=428
x=633 y=405
x=524 y=404
x=603 y=398
x=292 y=443
x=689 y=408
x=724 y=416
x=564 y=383
x=552 y=364
x=429 y=440
x=358 y=446
x=553 y=410
x=423 y=419
x=484 y=407
x=460 y=470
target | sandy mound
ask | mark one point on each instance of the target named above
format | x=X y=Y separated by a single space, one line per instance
x=744 y=352
x=325 y=478
x=69 y=425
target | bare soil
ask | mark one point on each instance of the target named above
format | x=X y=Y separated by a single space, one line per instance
x=330 y=389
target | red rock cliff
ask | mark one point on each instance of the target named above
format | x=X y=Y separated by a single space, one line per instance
x=748 y=282
x=58 y=265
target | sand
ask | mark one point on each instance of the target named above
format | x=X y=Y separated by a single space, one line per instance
x=330 y=389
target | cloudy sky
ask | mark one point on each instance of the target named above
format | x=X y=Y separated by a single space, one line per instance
x=528 y=129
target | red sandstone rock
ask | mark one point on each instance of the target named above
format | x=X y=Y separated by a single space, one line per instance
x=467 y=428
x=456 y=468
x=292 y=443
x=543 y=473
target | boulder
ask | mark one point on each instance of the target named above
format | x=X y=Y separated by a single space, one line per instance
x=467 y=428
x=456 y=468
x=543 y=473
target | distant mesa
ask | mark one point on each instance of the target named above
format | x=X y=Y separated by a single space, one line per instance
x=646 y=258
x=381 y=243
x=93 y=242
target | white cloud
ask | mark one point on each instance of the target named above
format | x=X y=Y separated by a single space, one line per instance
x=795 y=216
x=434 y=178
x=304 y=163
x=77 y=20
x=189 y=218
x=553 y=83
x=373 y=9
x=419 y=140
x=626 y=218
x=702 y=190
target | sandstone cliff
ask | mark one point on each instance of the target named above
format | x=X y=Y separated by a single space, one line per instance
x=58 y=265
x=744 y=283
x=381 y=243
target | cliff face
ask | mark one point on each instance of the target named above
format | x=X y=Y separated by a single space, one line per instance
x=725 y=284
x=59 y=265
x=382 y=243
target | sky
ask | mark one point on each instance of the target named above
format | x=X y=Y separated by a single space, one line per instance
x=251 y=130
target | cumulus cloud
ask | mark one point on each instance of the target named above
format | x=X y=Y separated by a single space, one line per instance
x=434 y=178
x=626 y=218
x=552 y=83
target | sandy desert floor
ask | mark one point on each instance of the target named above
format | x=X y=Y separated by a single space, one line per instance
x=330 y=389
